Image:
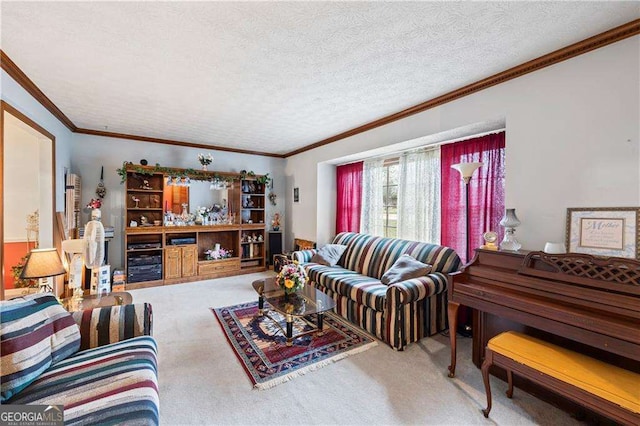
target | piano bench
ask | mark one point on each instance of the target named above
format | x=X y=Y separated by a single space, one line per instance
x=604 y=388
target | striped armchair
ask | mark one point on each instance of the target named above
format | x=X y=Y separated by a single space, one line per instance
x=100 y=364
x=399 y=313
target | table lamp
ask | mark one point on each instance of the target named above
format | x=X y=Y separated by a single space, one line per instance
x=43 y=264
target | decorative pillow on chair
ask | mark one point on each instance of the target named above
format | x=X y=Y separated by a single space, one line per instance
x=329 y=254
x=405 y=268
x=35 y=333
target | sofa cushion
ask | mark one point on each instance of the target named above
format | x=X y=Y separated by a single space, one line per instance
x=35 y=333
x=329 y=255
x=405 y=268
x=360 y=288
x=115 y=383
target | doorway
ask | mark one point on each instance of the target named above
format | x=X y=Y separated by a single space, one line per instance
x=27 y=192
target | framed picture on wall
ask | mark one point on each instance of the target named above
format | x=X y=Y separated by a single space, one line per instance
x=604 y=231
x=296 y=195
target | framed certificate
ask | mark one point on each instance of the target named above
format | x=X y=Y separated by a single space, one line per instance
x=604 y=231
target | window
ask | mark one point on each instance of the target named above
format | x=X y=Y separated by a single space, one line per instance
x=390 y=197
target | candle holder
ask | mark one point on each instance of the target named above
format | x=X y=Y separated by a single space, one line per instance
x=510 y=221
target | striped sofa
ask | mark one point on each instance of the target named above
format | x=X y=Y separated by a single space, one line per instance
x=398 y=314
x=100 y=364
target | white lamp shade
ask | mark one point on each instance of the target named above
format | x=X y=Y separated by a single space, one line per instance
x=467 y=169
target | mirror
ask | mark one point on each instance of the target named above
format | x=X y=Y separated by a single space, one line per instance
x=198 y=194
x=27 y=198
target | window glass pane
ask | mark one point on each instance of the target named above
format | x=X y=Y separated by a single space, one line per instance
x=392 y=195
x=393 y=174
x=392 y=232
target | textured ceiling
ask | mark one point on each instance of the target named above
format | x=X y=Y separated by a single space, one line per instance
x=275 y=76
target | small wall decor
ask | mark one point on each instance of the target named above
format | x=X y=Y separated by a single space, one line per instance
x=604 y=231
x=296 y=195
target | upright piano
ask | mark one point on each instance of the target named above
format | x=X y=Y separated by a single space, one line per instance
x=589 y=304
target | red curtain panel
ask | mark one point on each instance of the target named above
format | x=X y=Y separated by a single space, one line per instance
x=349 y=202
x=486 y=192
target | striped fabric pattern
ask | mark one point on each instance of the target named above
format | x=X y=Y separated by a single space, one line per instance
x=400 y=313
x=101 y=326
x=112 y=384
x=304 y=256
x=366 y=318
x=362 y=289
x=35 y=333
x=373 y=256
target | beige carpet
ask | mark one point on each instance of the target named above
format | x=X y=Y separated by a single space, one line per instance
x=202 y=382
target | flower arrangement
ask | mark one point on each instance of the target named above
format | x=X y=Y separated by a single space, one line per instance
x=292 y=277
x=205 y=160
x=218 y=254
x=94 y=204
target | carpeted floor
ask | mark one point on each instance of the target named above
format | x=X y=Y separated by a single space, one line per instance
x=202 y=381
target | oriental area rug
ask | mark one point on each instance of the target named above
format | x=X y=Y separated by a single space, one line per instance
x=261 y=347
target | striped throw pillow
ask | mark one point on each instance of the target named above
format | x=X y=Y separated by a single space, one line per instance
x=35 y=333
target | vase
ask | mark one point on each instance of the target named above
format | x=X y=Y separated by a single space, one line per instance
x=96 y=214
x=204 y=167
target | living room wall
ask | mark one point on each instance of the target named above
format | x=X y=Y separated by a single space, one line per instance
x=572 y=141
x=20 y=99
x=89 y=153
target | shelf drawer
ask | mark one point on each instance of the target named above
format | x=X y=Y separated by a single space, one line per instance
x=216 y=266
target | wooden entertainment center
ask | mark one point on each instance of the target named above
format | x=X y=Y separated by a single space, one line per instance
x=159 y=251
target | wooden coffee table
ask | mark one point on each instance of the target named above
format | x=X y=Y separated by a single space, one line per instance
x=301 y=304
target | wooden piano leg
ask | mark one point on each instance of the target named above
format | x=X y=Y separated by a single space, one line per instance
x=488 y=360
x=510 y=380
x=452 y=314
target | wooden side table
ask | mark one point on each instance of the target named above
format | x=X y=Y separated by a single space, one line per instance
x=98 y=301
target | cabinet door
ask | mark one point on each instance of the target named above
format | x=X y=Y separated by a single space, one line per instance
x=172 y=263
x=189 y=260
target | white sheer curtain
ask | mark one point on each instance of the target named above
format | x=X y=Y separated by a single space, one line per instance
x=419 y=196
x=372 y=216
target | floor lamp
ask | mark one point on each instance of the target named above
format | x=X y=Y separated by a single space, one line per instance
x=466 y=171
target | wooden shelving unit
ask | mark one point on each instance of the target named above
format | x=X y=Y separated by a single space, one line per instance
x=160 y=255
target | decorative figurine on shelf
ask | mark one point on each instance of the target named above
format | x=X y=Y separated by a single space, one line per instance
x=145 y=184
x=260 y=238
x=155 y=201
x=144 y=221
x=135 y=200
x=275 y=222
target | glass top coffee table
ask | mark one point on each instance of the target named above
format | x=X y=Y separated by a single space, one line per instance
x=301 y=304
x=97 y=301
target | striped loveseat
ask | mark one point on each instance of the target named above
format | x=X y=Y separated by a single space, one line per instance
x=100 y=364
x=398 y=314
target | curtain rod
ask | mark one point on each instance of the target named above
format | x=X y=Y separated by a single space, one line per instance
x=432 y=145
